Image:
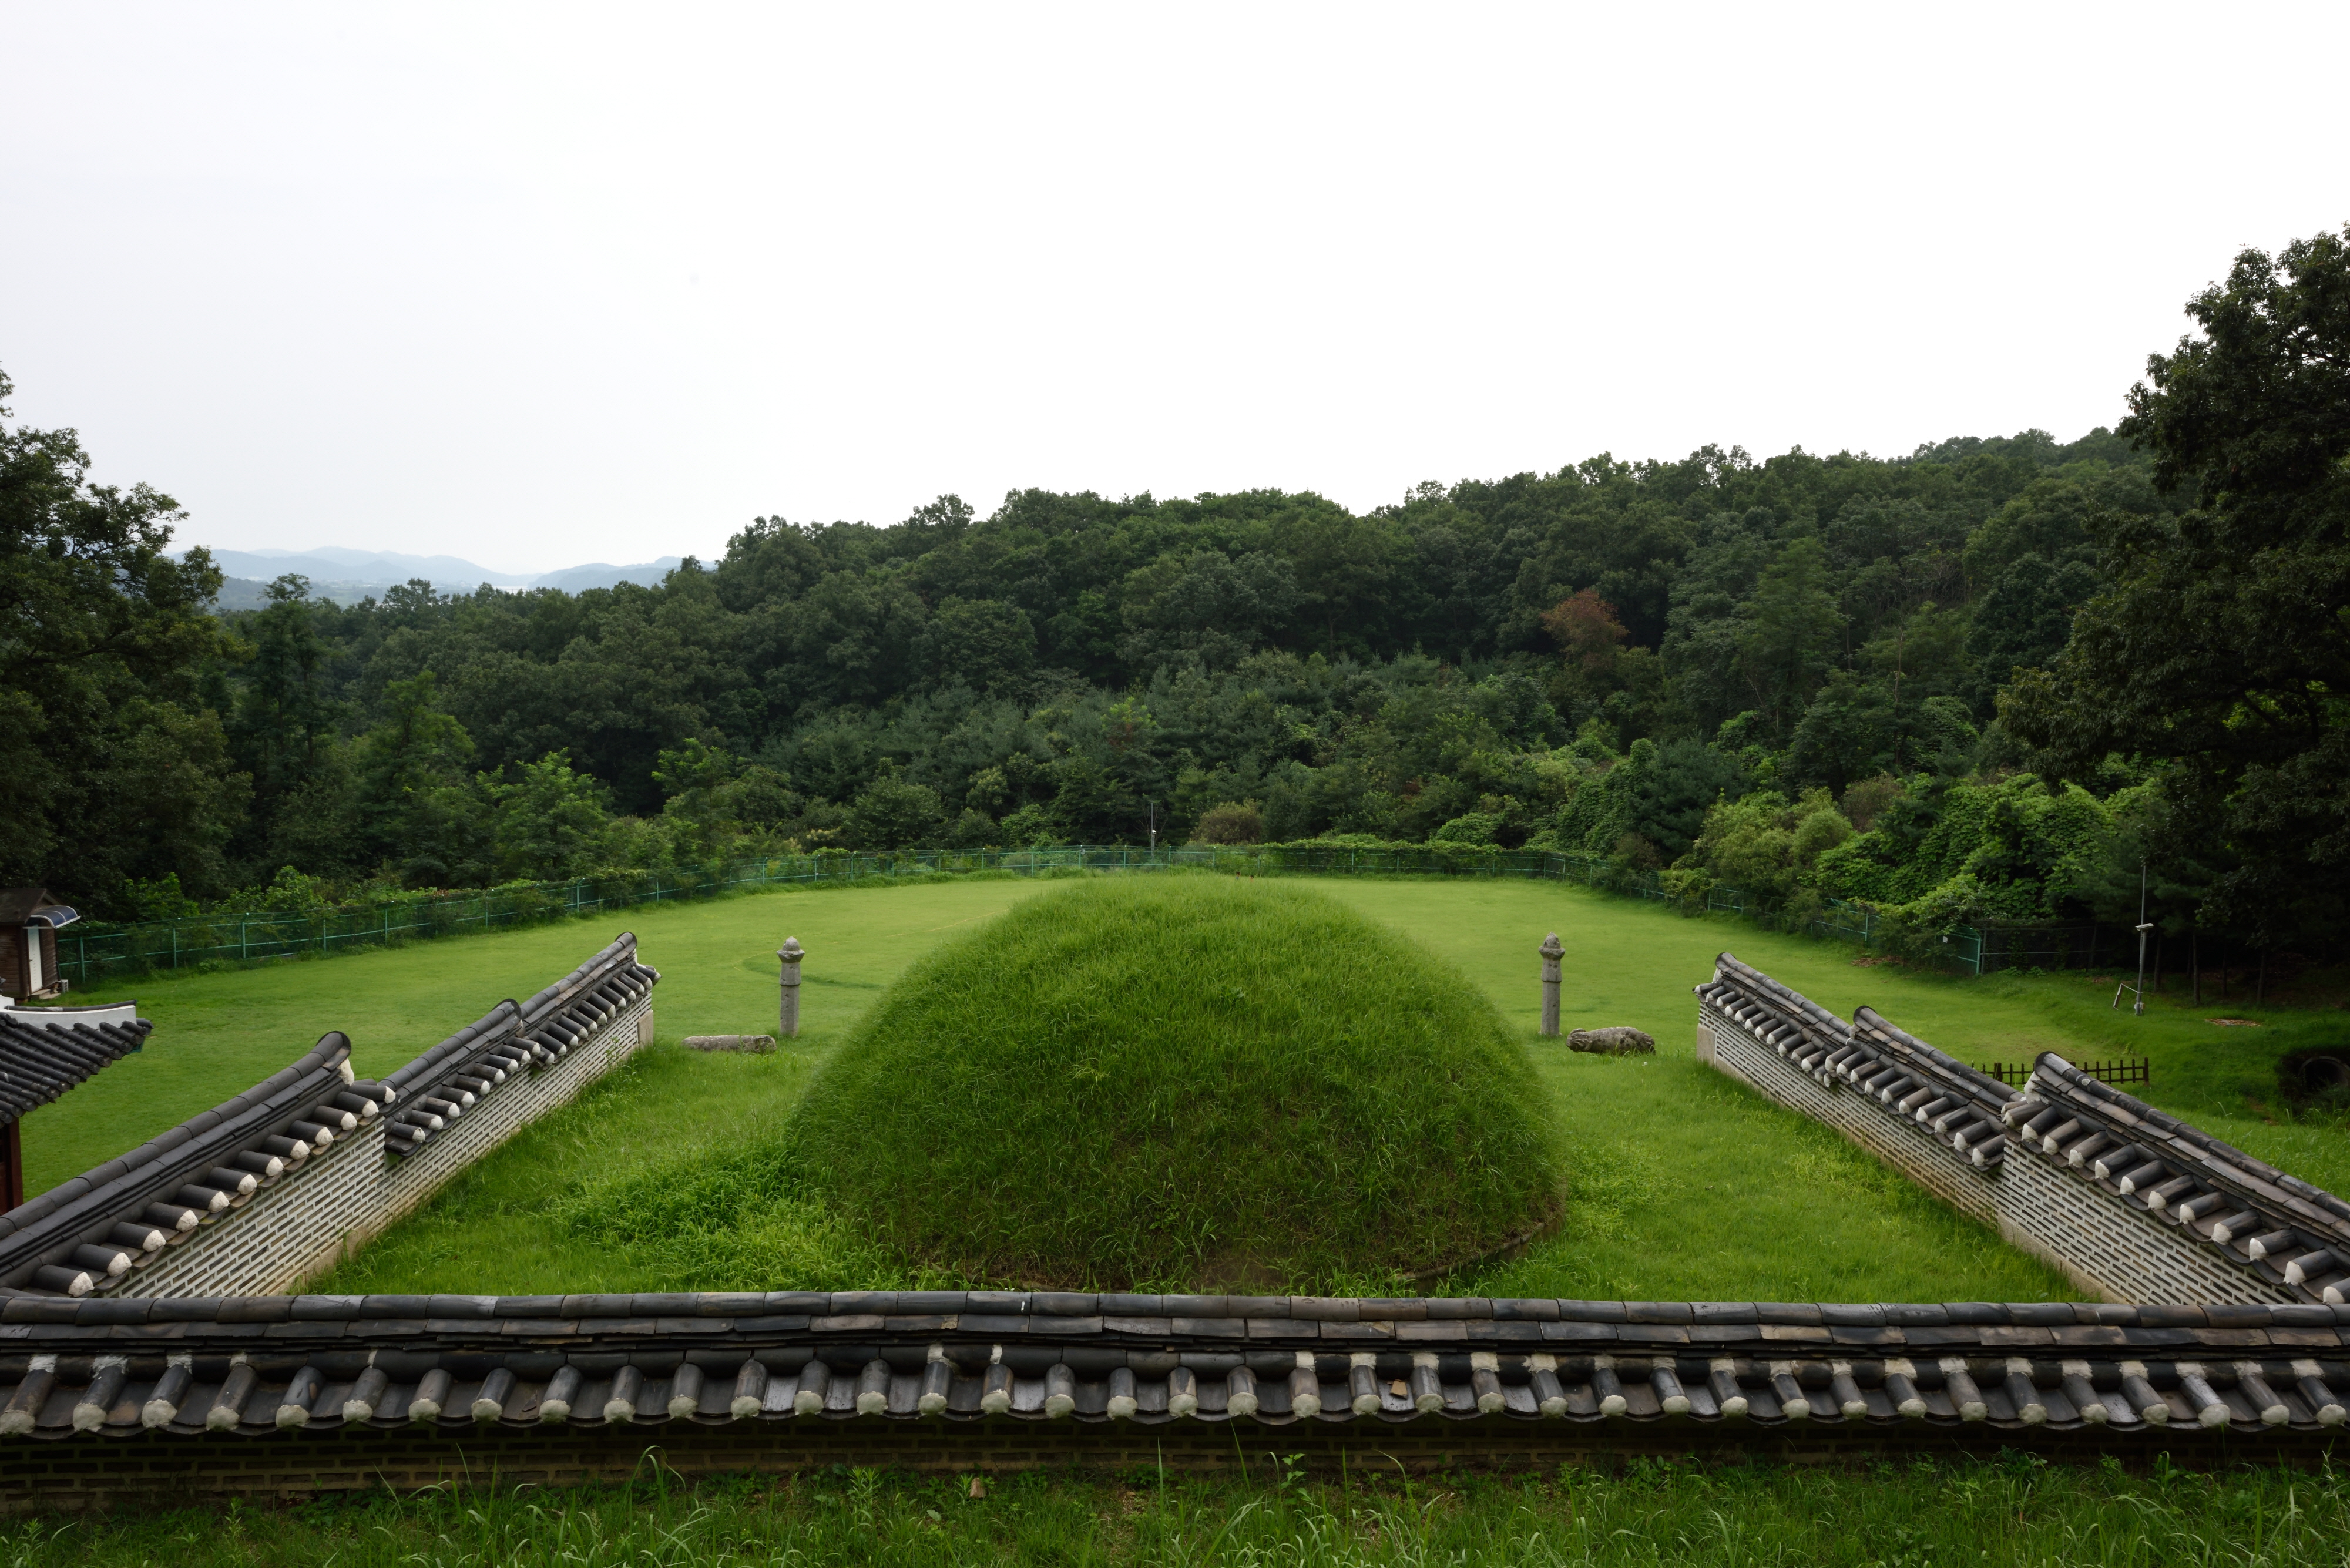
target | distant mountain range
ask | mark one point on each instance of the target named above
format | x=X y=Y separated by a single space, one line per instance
x=347 y=575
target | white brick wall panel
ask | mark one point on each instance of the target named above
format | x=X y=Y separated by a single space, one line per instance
x=2116 y=1246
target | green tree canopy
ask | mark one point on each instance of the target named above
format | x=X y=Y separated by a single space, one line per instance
x=116 y=769
x=2222 y=649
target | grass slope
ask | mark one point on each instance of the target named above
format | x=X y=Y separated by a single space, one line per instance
x=1182 y=1082
x=1684 y=1185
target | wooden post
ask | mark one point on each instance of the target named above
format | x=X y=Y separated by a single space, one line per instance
x=1551 y=953
x=12 y=1144
x=791 y=952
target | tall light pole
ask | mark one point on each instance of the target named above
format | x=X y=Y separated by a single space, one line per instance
x=2144 y=925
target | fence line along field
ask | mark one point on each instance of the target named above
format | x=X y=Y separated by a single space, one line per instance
x=1683 y=1186
x=102 y=953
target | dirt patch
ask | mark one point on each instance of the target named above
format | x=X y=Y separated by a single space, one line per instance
x=1238 y=1273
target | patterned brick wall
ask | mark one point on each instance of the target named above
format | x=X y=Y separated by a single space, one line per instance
x=2120 y=1250
x=288 y=1231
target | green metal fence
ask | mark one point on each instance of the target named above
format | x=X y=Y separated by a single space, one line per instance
x=92 y=951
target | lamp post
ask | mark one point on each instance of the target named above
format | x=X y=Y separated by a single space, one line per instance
x=2144 y=925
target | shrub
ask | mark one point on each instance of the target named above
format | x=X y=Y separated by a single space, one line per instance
x=1764 y=845
x=1232 y=823
x=1030 y=828
x=1940 y=853
x=1864 y=800
x=1477 y=827
x=892 y=813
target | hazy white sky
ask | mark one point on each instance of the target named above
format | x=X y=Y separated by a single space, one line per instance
x=540 y=284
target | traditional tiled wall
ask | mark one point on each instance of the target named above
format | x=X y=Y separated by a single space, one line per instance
x=286 y=1234
x=2117 y=1252
x=2121 y=1251
x=301 y=1226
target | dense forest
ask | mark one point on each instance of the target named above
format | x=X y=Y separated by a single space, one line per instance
x=1985 y=680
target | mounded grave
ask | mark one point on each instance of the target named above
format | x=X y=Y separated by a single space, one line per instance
x=1179 y=1084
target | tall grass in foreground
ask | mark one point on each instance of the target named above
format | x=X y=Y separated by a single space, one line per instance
x=2013 y=1510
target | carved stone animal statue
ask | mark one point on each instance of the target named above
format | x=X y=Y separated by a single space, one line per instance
x=1619 y=1041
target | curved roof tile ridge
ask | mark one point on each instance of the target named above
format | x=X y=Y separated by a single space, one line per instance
x=1755 y=977
x=499 y=1019
x=47 y=1051
x=449 y=1079
x=621 y=951
x=2084 y=1084
x=70 y=1242
x=511 y=1017
x=93 y=1236
x=1877 y=1023
x=2285 y=1231
x=1963 y=1107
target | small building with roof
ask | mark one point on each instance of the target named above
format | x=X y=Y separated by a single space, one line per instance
x=29 y=922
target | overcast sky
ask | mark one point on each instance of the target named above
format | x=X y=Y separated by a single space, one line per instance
x=543 y=284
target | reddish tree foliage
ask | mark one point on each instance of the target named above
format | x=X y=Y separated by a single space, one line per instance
x=1586 y=627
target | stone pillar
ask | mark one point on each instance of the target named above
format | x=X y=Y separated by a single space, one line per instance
x=791 y=952
x=1551 y=953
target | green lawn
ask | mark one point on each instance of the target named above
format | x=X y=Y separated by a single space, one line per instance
x=1685 y=1185
x=1981 y=1514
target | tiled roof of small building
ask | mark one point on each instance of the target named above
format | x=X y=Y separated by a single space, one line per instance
x=265 y=1365
x=45 y=1051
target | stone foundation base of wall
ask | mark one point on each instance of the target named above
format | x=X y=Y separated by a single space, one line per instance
x=162 y=1470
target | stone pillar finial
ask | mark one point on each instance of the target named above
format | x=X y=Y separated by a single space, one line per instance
x=791 y=952
x=1552 y=951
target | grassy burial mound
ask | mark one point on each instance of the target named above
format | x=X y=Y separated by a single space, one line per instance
x=1182 y=1084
